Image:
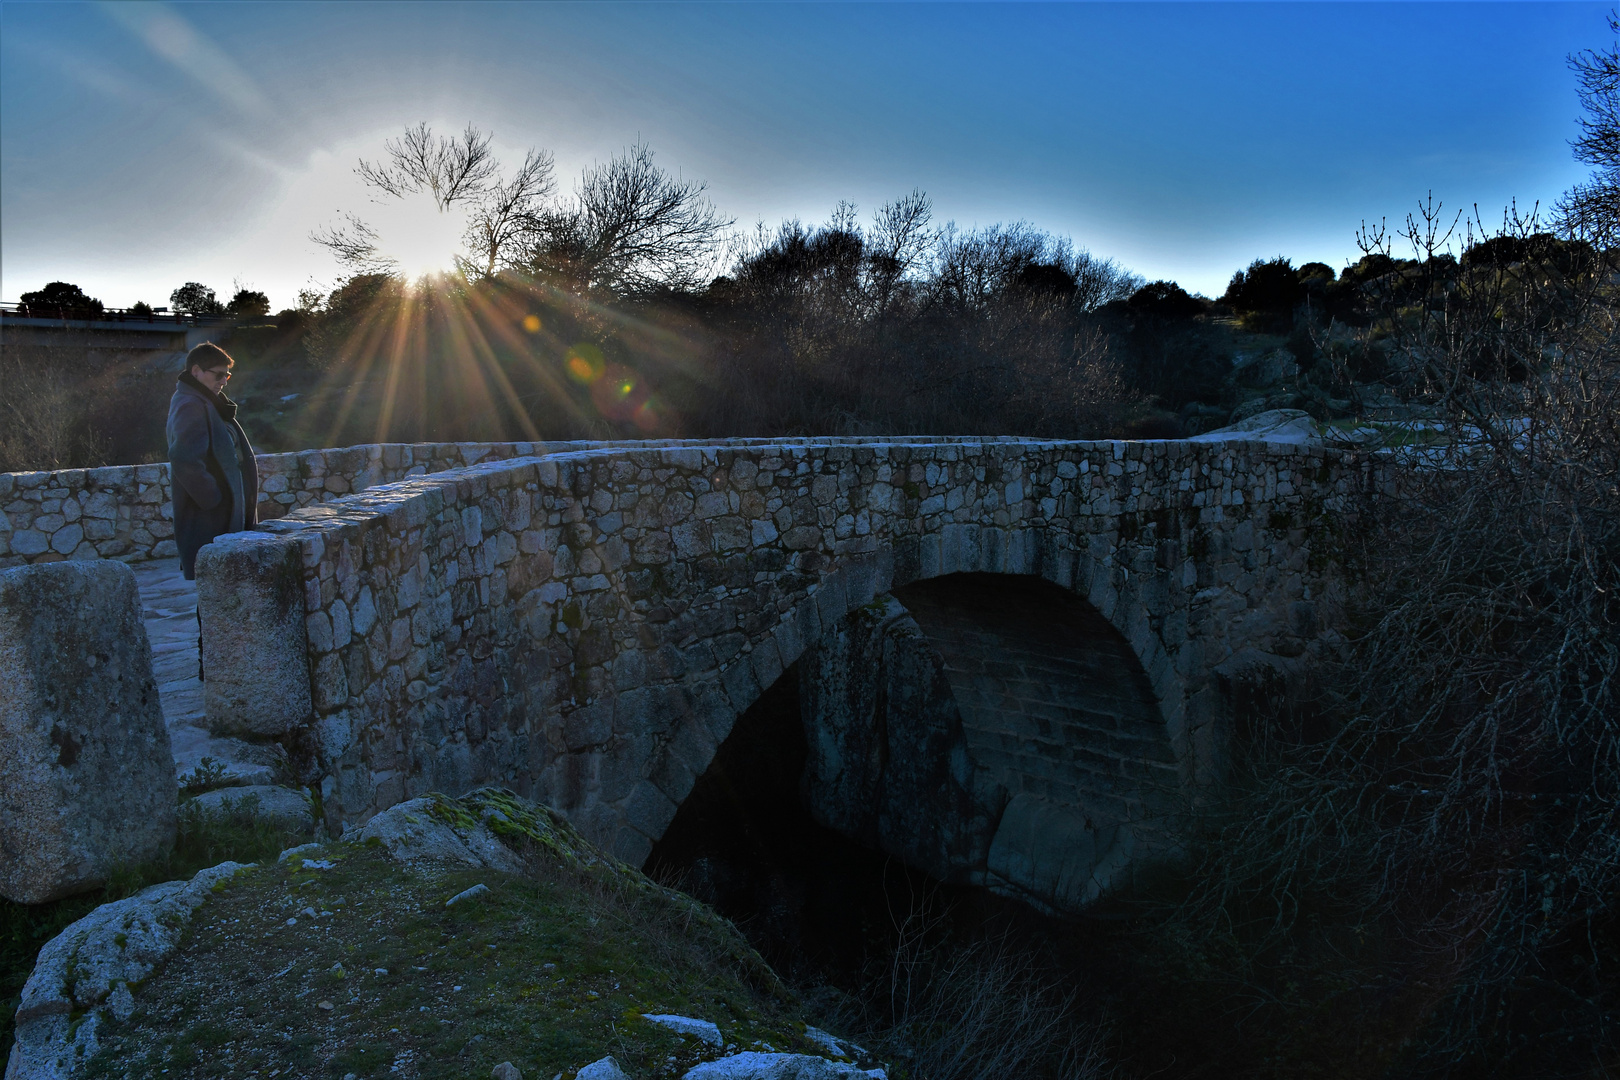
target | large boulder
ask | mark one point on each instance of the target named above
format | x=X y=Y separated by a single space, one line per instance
x=1293 y=426
x=86 y=776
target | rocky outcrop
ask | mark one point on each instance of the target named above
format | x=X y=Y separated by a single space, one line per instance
x=81 y=997
x=428 y=828
x=84 y=974
x=86 y=776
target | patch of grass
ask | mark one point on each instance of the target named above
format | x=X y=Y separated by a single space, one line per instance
x=361 y=968
x=202 y=841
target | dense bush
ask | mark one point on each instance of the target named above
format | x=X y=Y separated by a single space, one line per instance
x=1433 y=855
x=1266 y=292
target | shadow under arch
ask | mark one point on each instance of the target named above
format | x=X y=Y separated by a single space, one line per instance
x=985 y=729
x=1072 y=760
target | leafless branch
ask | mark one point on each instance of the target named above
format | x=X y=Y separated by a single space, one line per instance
x=451 y=169
x=633 y=227
x=354 y=243
x=510 y=213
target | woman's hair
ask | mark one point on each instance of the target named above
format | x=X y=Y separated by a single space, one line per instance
x=208 y=356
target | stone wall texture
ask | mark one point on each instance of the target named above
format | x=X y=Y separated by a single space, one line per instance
x=125 y=512
x=585 y=626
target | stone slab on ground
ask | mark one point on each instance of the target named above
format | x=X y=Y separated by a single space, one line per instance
x=280 y=805
x=753 y=1065
x=602 y=1069
x=86 y=775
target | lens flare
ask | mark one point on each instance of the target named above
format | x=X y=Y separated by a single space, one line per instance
x=618 y=394
x=531 y=323
x=585 y=363
x=646 y=417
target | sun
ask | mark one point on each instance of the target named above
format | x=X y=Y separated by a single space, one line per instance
x=419 y=238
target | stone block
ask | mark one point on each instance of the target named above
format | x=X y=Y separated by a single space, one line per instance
x=250 y=596
x=29 y=542
x=86 y=773
x=1055 y=856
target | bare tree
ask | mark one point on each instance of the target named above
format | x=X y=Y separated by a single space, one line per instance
x=973 y=268
x=508 y=215
x=1592 y=210
x=899 y=241
x=450 y=168
x=632 y=227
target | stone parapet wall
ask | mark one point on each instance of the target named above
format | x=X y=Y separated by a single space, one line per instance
x=585 y=626
x=125 y=512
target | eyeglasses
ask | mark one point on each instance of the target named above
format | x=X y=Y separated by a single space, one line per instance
x=218 y=373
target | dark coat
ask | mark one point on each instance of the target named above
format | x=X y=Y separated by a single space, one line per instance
x=214 y=477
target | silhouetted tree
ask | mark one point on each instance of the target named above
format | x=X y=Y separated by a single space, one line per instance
x=1591 y=211
x=60 y=300
x=632 y=228
x=1164 y=300
x=1267 y=291
x=195 y=298
x=508 y=215
x=248 y=303
x=451 y=169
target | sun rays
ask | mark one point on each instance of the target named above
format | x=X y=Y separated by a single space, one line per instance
x=442 y=358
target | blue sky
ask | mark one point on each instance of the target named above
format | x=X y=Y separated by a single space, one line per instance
x=142 y=146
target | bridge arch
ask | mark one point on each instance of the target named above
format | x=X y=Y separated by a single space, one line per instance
x=986 y=727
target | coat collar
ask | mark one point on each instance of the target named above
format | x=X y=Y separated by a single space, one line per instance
x=187 y=388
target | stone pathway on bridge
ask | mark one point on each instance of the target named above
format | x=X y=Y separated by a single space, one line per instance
x=169 y=609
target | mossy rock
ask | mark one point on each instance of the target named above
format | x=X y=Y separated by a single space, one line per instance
x=343 y=959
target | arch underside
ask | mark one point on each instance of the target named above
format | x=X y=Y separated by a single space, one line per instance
x=988 y=729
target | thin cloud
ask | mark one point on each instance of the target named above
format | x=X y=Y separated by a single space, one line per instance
x=175 y=40
x=97 y=78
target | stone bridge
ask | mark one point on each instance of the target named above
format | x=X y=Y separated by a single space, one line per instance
x=585 y=627
x=1017 y=658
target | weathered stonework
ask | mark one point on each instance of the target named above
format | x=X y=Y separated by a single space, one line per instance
x=86 y=777
x=585 y=627
x=253 y=642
